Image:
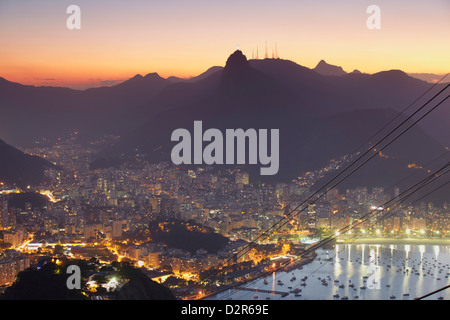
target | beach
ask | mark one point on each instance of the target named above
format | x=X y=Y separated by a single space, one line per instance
x=410 y=241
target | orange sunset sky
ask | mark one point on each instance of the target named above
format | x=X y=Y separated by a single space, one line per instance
x=119 y=39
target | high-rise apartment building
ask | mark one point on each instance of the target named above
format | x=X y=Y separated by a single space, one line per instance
x=3 y=213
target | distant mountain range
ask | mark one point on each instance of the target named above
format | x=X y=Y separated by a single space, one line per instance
x=328 y=69
x=429 y=77
x=29 y=112
x=331 y=70
x=322 y=113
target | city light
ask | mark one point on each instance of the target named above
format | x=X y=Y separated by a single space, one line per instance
x=136 y=178
x=111 y=285
x=49 y=195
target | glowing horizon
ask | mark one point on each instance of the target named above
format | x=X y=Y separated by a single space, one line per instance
x=118 y=40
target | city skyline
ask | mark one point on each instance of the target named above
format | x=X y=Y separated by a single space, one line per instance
x=118 y=40
x=120 y=215
x=194 y=150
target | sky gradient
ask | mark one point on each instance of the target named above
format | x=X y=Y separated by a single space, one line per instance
x=119 y=39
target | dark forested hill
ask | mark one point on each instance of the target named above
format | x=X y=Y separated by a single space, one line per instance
x=19 y=168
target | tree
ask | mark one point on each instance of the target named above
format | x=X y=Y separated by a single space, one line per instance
x=47 y=283
x=58 y=249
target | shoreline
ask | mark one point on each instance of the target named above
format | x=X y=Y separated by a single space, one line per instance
x=375 y=241
x=297 y=265
x=411 y=241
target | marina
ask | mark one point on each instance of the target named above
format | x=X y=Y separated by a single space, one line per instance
x=359 y=272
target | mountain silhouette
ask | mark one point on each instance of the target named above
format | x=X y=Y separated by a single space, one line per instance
x=429 y=77
x=328 y=69
x=254 y=94
x=320 y=117
x=30 y=113
x=19 y=168
x=314 y=127
x=199 y=77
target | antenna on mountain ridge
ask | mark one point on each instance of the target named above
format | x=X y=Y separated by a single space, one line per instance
x=265 y=54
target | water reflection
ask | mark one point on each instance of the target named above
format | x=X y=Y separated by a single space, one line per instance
x=362 y=255
x=407 y=249
x=422 y=251
x=436 y=251
x=405 y=272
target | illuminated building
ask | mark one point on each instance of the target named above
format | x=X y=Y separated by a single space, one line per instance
x=12 y=263
x=3 y=213
x=312 y=216
x=155 y=202
x=117 y=229
x=242 y=178
x=13 y=237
